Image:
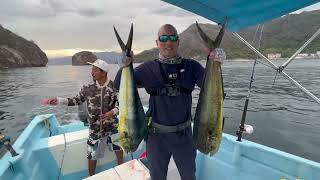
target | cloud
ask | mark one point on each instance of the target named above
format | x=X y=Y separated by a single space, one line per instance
x=170 y=10
x=59 y=6
x=24 y=8
x=88 y=24
x=36 y=9
x=90 y=12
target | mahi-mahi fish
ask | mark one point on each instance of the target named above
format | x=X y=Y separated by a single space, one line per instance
x=208 y=121
x=132 y=120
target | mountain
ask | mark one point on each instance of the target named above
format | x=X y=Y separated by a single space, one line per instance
x=109 y=57
x=15 y=51
x=83 y=57
x=283 y=35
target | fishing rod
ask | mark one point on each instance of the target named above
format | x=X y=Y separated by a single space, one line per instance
x=243 y=127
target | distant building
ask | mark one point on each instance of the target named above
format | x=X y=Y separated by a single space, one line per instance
x=318 y=53
x=274 y=56
x=302 y=55
x=312 y=55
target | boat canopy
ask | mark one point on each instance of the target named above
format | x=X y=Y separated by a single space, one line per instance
x=241 y=13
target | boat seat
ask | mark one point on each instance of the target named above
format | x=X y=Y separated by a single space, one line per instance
x=72 y=137
x=74 y=151
x=135 y=170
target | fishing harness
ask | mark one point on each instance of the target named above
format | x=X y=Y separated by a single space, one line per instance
x=172 y=87
x=173 y=81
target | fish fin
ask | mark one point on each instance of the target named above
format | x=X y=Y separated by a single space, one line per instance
x=116 y=140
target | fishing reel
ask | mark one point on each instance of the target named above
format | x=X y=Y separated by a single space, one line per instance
x=5 y=141
x=245 y=128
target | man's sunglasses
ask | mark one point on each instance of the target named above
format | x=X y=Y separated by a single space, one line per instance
x=165 y=38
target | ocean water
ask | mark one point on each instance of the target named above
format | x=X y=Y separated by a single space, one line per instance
x=283 y=117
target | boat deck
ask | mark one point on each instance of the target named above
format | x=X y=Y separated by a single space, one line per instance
x=50 y=151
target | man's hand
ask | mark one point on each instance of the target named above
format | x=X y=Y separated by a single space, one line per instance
x=127 y=60
x=216 y=54
x=106 y=116
x=52 y=101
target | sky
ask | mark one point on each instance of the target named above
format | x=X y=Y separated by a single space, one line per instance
x=64 y=27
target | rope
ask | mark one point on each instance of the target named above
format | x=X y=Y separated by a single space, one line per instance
x=47 y=125
x=63 y=154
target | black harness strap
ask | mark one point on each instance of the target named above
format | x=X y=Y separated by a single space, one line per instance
x=159 y=128
x=173 y=82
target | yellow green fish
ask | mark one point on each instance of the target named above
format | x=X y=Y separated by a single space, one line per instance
x=208 y=121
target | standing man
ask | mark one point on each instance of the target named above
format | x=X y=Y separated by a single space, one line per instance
x=102 y=104
x=169 y=80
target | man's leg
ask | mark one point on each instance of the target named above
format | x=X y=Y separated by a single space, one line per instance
x=94 y=149
x=92 y=166
x=117 y=150
x=158 y=156
x=119 y=155
x=184 y=155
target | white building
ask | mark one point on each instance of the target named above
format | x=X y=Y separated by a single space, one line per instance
x=302 y=56
x=274 y=56
x=318 y=53
x=312 y=55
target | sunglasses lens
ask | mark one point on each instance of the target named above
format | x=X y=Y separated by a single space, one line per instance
x=163 y=38
x=173 y=38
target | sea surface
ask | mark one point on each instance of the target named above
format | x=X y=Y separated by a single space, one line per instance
x=283 y=117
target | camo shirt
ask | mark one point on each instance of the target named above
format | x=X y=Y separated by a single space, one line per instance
x=95 y=96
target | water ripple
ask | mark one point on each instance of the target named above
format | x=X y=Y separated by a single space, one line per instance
x=272 y=107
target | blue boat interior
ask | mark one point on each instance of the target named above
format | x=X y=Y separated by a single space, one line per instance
x=43 y=154
x=48 y=150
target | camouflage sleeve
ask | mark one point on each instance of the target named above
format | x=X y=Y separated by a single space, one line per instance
x=78 y=99
x=116 y=104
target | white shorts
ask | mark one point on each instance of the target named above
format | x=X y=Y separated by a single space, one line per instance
x=96 y=148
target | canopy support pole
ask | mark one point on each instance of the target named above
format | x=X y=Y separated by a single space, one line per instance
x=299 y=50
x=277 y=68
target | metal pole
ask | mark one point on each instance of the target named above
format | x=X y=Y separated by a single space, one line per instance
x=277 y=69
x=301 y=87
x=255 y=50
x=299 y=50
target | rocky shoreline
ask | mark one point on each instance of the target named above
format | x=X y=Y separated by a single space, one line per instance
x=15 y=51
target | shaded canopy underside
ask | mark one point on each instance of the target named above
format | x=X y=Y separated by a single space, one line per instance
x=241 y=13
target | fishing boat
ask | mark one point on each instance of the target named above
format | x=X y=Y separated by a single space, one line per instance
x=47 y=150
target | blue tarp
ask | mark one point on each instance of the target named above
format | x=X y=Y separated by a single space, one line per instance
x=241 y=13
